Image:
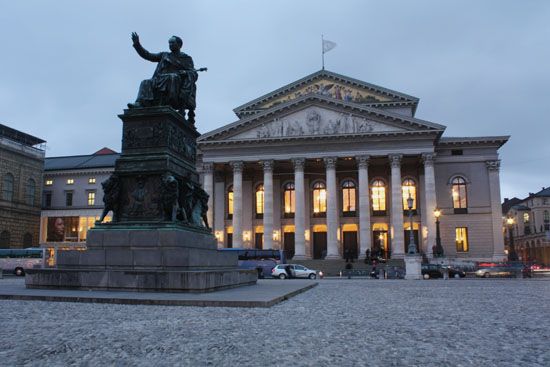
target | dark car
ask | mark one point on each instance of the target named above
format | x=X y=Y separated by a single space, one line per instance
x=438 y=271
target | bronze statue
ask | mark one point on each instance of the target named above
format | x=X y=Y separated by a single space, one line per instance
x=173 y=82
x=169 y=197
x=111 y=190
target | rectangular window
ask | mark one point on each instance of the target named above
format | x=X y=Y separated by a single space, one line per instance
x=91 y=180
x=348 y=200
x=378 y=199
x=69 y=199
x=290 y=202
x=47 y=199
x=91 y=198
x=259 y=202
x=230 y=204
x=319 y=202
x=49 y=182
x=461 y=239
x=70 y=181
x=457 y=152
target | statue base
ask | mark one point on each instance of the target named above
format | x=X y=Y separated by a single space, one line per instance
x=166 y=258
x=413 y=267
x=158 y=240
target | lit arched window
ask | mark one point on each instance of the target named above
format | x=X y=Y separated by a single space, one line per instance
x=526 y=218
x=409 y=189
x=348 y=196
x=378 y=189
x=7 y=187
x=230 y=201
x=319 y=198
x=289 y=198
x=30 y=191
x=260 y=199
x=459 y=193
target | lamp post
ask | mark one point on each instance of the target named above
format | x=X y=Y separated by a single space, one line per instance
x=512 y=255
x=412 y=244
x=438 y=247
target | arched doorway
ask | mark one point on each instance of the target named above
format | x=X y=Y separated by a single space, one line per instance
x=288 y=241
x=349 y=237
x=380 y=245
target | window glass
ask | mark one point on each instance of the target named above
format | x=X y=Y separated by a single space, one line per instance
x=348 y=196
x=70 y=181
x=230 y=200
x=409 y=190
x=30 y=192
x=49 y=182
x=260 y=199
x=459 y=193
x=69 y=199
x=7 y=187
x=91 y=180
x=319 y=198
x=461 y=239
x=289 y=198
x=525 y=217
x=91 y=198
x=378 y=189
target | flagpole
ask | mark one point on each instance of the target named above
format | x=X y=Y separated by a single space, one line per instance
x=323 y=51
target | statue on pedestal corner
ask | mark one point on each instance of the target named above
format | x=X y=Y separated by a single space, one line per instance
x=173 y=82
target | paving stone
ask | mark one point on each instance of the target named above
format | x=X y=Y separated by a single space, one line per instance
x=464 y=322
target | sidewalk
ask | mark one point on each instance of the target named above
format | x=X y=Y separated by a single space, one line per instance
x=265 y=293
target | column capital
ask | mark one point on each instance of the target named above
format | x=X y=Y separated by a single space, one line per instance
x=395 y=160
x=267 y=165
x=208 y=167
x=362 y=161
x=330 y=162
x=428 y=159
x=493 y=165
x=299 y=163
x=237 y=166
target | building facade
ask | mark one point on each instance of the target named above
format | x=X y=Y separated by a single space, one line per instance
x=324 y=166
x=21 y=169
x=529 y=229
x=73 y=196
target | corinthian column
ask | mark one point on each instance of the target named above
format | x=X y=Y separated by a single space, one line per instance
x=237 y=204
x=332 y=209
x=398 y=241
x=430 y=201
x=300 y=206
x=268 y=204
x=208 y=172
x=364 y=205
x=493 y=168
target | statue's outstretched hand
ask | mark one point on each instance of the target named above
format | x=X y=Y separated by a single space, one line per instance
x=135 y=38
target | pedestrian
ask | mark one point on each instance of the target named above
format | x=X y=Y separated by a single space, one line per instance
x=367 y=256
x=346 y=254
x=288 y=271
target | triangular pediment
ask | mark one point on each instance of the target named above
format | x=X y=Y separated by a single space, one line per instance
x=331 y=85
x=314 y=116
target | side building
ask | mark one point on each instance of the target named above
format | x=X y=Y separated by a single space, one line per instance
x=72 y=195
x=528 y=226
x=21 y=169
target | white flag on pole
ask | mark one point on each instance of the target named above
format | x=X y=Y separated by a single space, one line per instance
x=328 y=45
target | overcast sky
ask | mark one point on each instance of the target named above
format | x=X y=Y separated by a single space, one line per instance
x=479 y=67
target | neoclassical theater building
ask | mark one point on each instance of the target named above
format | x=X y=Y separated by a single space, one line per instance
x=325 y=166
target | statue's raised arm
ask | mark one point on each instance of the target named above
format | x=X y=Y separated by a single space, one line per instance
x=172 y=84
x=143 y=52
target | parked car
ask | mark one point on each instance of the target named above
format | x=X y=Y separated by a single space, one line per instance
x=437 y=271
x=281 y=271
x=495 y=271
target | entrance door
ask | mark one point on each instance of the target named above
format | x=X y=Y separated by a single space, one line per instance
x=380 y=244
x=229 y=242
x=259 y=241
x=408 y=240
x=319 y=245
x=288 y=243
x=350 y=243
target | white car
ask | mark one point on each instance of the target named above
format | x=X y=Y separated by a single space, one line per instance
x=282 y=271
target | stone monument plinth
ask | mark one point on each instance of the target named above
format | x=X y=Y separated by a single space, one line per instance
x=159 y=238
x=413 y=266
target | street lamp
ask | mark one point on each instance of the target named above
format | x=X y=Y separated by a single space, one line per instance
x=412 y=245
x=512 y=255
x=438 y=248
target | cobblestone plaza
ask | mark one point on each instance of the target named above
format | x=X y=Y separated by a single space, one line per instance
x=466 y=322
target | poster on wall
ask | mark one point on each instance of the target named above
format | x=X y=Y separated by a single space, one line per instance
x=62 y=229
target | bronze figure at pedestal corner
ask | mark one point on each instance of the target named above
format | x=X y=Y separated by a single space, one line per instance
x=173 y=82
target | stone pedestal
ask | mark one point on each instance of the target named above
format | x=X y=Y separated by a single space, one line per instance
x=413 y=267
x=158 y=240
